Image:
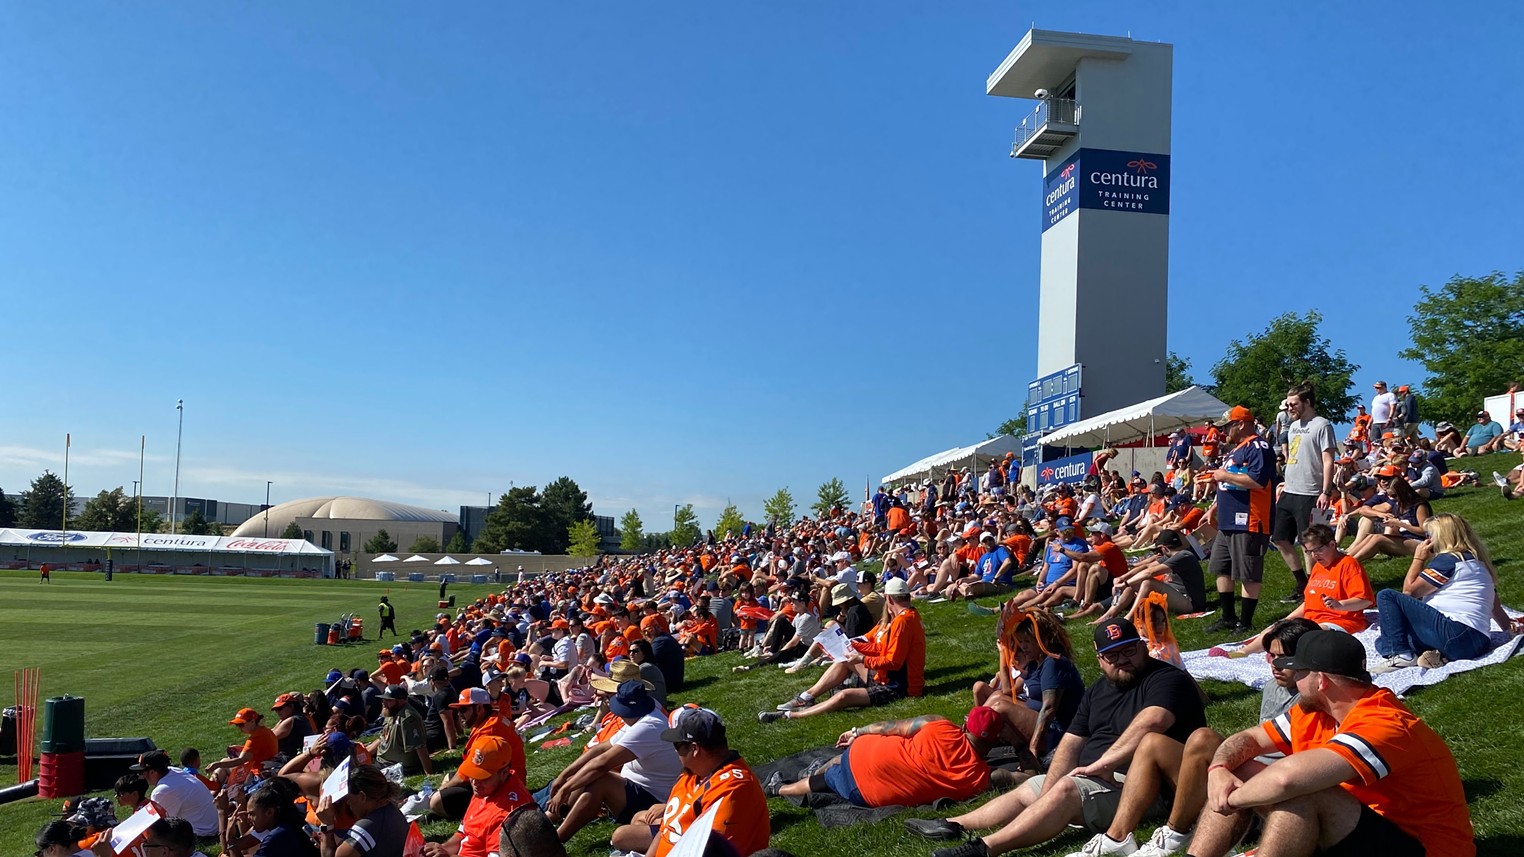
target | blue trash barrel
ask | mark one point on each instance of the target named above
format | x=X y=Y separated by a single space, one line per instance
x=320 y=635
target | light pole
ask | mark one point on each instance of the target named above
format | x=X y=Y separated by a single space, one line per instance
x=179 y=433
x=267 y=507
x=674 y=525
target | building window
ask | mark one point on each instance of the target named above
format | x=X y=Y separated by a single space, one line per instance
x=343 y=542
x=307 y=534
x=327 y=541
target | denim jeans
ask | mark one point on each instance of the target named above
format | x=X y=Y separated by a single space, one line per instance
x=1411 y=627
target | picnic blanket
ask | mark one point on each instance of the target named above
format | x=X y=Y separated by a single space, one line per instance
x=830 y=810
x=1254 y=671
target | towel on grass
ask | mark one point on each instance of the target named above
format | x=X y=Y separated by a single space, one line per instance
x=1254 y=671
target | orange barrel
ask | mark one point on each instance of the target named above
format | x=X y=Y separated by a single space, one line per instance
x=61 y=775
x=333 y=635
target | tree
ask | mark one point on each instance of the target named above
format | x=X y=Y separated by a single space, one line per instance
x=517 y=522
x=42 y=506
x=153 y=522
x=109 y=512
x=196 y=524
x=730 y=521
x=1015 y=427
x=779 y=508
x=381 y=542
x=292 y=531
x=583 y=539
x=1258 y=373
x=423 y=544
x=7 y=511
x=564 y=504
x=828 y=496
x=1177 y=373
x=651 y=542
x=458 y=543
x=630 y=535
x=1469 y=336
x=685 y=526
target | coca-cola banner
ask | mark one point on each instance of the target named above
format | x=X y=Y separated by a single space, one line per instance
x=159 y=541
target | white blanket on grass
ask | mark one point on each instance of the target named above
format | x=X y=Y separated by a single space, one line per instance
x=1254 y=671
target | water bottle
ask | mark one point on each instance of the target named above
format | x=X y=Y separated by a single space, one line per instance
x=428 y=789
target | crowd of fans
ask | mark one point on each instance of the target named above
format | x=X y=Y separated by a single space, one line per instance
x=1348 y=769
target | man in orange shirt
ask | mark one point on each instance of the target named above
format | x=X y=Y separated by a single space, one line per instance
x=482 y=717
x=1362 y=774
x=713 y=774
x=497 y=789
x=905 y=762
x=889 y=665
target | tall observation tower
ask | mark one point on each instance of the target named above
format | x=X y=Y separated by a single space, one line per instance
x=1101 y=127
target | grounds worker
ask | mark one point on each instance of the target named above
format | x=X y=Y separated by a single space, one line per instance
x=388 y=617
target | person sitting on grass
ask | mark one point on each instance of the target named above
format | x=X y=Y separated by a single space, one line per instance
x=60 y=838
x=1447 y=604
x=481 y=717
x=1338 y=591
x=1361 y=773
x=1058 y=564
x=1174 y=570
x=272 y=823
x=1398 y=530
x=259 y=746
x=801 y=633
x=178 y=792
x=527 y=832
x=713 y=774
x=625 y=772
x=1040 y=690
x=380 y=828
x=497 y=789
x=889 y=665
x=1135 y=696
x=1095 y=570
x=992 y=572
x=904 y=762
x=401 y=740
x=1485 y=436
x=131 y=792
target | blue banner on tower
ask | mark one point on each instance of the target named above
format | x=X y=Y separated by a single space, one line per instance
x=1106 y=180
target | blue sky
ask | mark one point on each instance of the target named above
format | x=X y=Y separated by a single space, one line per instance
x=680 y=253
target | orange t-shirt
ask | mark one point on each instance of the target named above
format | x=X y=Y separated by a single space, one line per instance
x=1020 y=546
x=741 y=570
x=260 y=747
x=1192 y=518
x=898 y=518
x=742 y=819
x=1346 y=580
x=935 y=762
x=392 y=670
x=1111 y=557
x=1066 y=507
x=1403 y=770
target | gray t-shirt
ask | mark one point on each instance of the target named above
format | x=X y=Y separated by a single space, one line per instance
x=383 y=833
x=1305 y=445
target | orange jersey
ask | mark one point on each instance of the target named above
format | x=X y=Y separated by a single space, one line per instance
x=1346 y=580
x=1403 y=770
x=1020 y=546
x=392 y=670
x=896 y=652
x=260 y=747
x=1066 y=507
x=1191 y=519
x=898 y=518
x=742 y=819
x=935 y=762
x=1111 y=557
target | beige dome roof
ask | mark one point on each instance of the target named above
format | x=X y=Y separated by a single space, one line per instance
x=340 y=508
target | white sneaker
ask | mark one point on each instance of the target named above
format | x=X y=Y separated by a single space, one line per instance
x=1499 y=479
x=796 y=703
x=1392 y=664
x=1165 y=842
x=1101 y=844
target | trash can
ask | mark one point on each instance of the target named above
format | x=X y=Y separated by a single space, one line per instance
x=415 y=577
x=8 y=732
x=63 y=725
x=386 y=576
x=478 y=578
x=320 y=634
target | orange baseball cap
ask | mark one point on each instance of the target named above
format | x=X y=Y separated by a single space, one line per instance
x=491 y=755
x=652 y=621
x=246 y=715
x=285 y=699
x=1239 y=413
x=561 y=624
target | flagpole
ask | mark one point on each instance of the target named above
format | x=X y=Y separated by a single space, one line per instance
x=66 y=490
x=142 y=453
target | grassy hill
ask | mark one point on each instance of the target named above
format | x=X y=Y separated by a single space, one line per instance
x=174 y=657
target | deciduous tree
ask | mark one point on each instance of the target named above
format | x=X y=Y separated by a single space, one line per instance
x=292 y=531
x=582 y=538
x=458 y=543
x=779 y=508
x=631 y=536
x=196 y=524
x=1177 y=374
x=1257 y=373
x=424 y=544
x=828 y=496
x=730 y=522
x=109 y=512
x=685 y=526
x=1469 y=336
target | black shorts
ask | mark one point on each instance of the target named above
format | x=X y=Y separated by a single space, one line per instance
x=637 y=798
x=1373 y=834
x=1240 y=556
x=883 y=694
x=455 y=799
x=1293 y=515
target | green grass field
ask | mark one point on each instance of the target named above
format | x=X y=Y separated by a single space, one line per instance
x=174 y=657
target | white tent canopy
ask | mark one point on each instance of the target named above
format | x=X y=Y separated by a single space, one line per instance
x=935 y=465
x=447 y=560
x=481 y=560
x=1145 y=419
x=386 y=557
x=416 y=558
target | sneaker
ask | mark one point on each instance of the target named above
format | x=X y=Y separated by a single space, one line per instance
x=770 y=716
x=1101 y=844
x=1499 y=479
x=1296 y=597
x=1222 y=625
x=934 y=828
x=796 y=703
x=1392 y=664
x=741 y=669
x=938 y=599
x=1432 y=659
x=1166 y=841
x=774 y=783
x=971 y=848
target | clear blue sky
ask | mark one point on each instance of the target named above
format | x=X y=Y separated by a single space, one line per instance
x=681 y=253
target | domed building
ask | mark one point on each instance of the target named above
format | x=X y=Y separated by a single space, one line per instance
x=344 y=524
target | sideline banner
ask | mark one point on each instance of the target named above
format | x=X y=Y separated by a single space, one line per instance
x=1072 y=469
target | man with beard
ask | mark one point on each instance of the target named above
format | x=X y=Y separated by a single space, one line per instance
x=478 y=713
x=1362 y=774
x=497 y=789
x=1135 y=697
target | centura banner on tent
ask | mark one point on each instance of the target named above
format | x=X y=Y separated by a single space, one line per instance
x=156 y=541
x=1072 y=469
